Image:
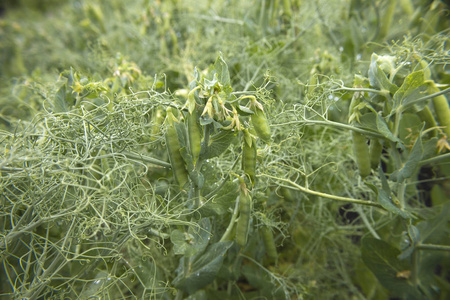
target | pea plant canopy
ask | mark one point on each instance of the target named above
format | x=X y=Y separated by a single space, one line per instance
x=224 y=149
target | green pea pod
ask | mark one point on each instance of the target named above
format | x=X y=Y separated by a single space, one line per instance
x=243 y=223
x=249 y=157
x=157 y=120
x=442 y=109
x=261 y=125
x=269 y=243
x=173 y=148
x=195 y=134
x=361 y=151
x=375 y=150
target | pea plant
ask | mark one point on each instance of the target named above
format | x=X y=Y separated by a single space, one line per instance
x=224 y=150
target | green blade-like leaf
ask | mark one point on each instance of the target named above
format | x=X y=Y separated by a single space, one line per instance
x=383 y=128
x=61 y=102
x=194 y=240
x=221 y=68
x=411 y=164
x=385 y=199
x=411 y=89
x=436 y=226
x=203 y=268
x=378 y=78
x=381 y=258
x=220 y=142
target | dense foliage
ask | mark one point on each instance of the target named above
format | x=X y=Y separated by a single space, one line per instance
x=224 y=149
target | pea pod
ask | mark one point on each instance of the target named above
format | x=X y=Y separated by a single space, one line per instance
x=173 y=148
x=269 y=243
x=361 y=151
x=195 y=135
x=157 y=121
x=375 y=150
x=442 y=109
x=249 y=156
x=243 y=223
x=261 y=125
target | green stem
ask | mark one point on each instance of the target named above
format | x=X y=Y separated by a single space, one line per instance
x=434 y=159
x=231 y=224
x=336 y=124
x=382 y=93
x=433 y=247
x=415 y=267
x=403 y=107
x=323 y=195
x=146 y=159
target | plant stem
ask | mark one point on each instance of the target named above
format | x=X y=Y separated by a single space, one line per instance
x=336 y=124
x=231 y=224
x=323 y=195
x=447 y=90
x=147 y=159
x=415 y=267
x=433 y=247
x=434 y=159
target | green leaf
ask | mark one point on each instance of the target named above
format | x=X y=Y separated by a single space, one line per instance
x=146 y=271
x=221 y=68
x=369 y=121
x=411 y=238
x=244 y=111
x=412 y=88
x=62 y=102
x=201 y=269
x=382 y=259
x=385 y=199
x=435 y=226
x=383 y=128
x=409 y=124
x=180 y=241
x=198 y=178
x=205 y=120
x=378 y=78
x=223 y=200
x=194 y=240
x=220 y=142
x=414 y=158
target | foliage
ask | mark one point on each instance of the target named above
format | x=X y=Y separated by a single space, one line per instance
x=224 y=149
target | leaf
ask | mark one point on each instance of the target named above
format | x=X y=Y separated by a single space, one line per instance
x=410 y=124
x=62 y=103
x=205 y=120
x=201 y=269
x=146 y=271
x=385 y=199
x=194 y=240
x=429 y=148
x=223 y=200
x=414 y=158
x=221 y=68
x=378 y=78
x=383 y=128
x=411 y=238
x=381 y=258
x=219 y=142
x=244 y=111
x=369 y=121
x=436 y=225
x=198 y=178
x=412 y=88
